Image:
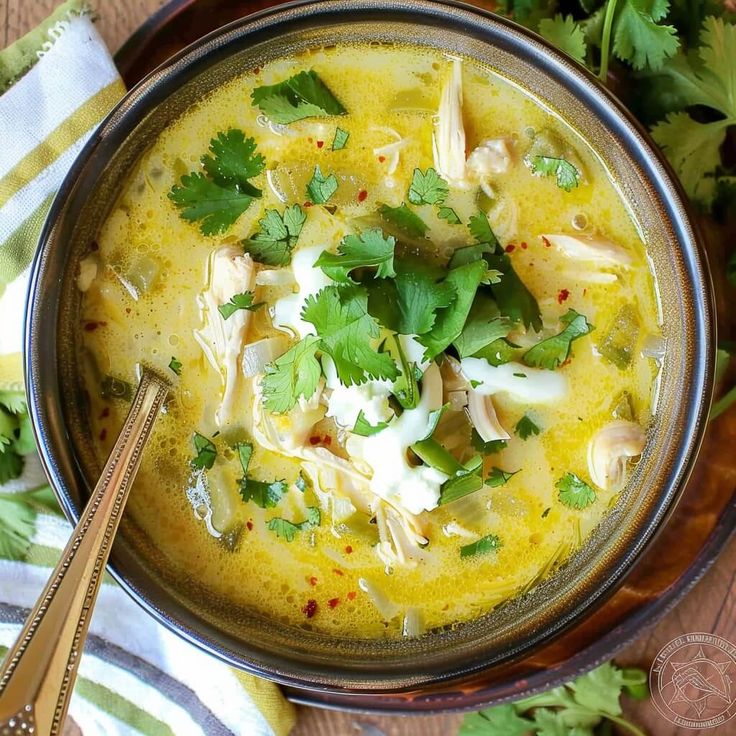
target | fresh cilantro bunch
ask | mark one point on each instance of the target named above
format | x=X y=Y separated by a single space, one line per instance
x=218 y=196
x=578 y=708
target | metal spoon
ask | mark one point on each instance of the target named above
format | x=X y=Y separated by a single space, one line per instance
x=38 y=674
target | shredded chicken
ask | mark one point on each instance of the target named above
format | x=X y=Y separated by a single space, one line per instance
x=609 y=451
x=492 y=156
x=590 y=248
x=400 y=537
x=448 y=140
x=391 y=150
x=230 y=272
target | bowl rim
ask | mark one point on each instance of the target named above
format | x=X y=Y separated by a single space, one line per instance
x=614 y=115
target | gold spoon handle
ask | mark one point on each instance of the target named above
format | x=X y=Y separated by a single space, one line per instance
x=37 y=676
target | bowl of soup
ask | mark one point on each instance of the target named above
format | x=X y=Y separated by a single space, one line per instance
x=439 y=329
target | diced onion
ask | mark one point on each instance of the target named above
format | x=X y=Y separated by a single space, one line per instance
x=654 y=346
x=275 y=277
x=257 y=355
x=413 y=625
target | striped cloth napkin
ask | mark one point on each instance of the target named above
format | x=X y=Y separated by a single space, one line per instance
x=136 y=677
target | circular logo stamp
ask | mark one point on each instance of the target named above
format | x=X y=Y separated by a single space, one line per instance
x=693 y=681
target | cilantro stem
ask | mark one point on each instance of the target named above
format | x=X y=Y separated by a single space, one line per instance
x=723 y=403
x=606 y=39
x=627 y=725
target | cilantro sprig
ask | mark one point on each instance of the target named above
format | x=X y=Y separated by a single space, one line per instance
x=294 y=374
x=206 y=452
x=285 y=529
x=574 y=492
x=565 y=173
x=554 y=351
x=238 y=302
x=526 y=427
x=304 y=95
x=277 y=236
x=320 y=187
x=427 y=187
x=369 y=249
x=218 y=197
x=579 y=707
x=485 y=545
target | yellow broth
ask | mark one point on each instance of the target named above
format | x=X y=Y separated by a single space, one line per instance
x=142 y=306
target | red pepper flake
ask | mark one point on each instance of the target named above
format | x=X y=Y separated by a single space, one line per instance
x=562 y=296
x=338 y=572
x=257 y=70
x=314 y=440
x=324 y=439
x=310 y=609
x=103 y=434
x=94 y=246
x=313 y=581
x=249 y=525
x=332 y=603
x=362 y=194
x=307 y=204
x=128 y=310
x=349 y=550
x=320 y=144
x=351 y=595
x=546 y=242
x=524 y=245
x=585 y=291
x=381 y=159
x=105 y=413
x=510 y=248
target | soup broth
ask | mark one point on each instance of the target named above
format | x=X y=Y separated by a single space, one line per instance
x=404 y=307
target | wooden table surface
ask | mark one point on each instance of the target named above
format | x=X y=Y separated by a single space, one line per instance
x=710 y=606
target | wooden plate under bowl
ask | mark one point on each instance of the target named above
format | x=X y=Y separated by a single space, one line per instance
x=688 y=545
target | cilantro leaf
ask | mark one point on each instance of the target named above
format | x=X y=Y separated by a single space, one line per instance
x=346 y=330
x=486 y=448
x=566 y=175
x=283 y=528
x=14 y=401
x=321 y=188
x=295 y=373
x=238 y=301
x=526 y=427
x=693 y=149
x=277 y=236
x=514 y=299
x=206 y=452
x=245 y=452
x=566 y=34
x=555 y=350
x=501 y=720
x=483 y=325
x=175 y=365
x=215 y=205
x=449 y=215
x=11 y=464
x=483 y=546
x=481 y=230
x=304 y=95
x=218 y=199
x=497 y=477
x=365 y=429
x=427 y=187
x=450 y=321
x=574 y=492
x=405 y=220
x=287 y=530
x=408 y=303
x=340 y=140
x=17 y=523
x=637 y=37
x=369 y=249
x=233 y=160
x=263 y=494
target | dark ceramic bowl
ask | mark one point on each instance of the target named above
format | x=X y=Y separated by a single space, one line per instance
x=345 y=665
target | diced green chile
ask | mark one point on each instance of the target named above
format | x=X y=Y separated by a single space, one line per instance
x=620 y=340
